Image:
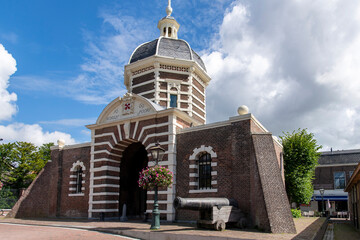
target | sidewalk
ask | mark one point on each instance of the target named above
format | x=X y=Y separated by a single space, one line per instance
x=306 y=228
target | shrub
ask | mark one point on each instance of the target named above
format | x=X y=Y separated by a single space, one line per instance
x=296 y=213
x=156 y=176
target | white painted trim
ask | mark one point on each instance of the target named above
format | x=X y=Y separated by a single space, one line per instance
x=161 y=211
x=193 y=184
x=119 y=131
x=193 y=166
x=105 y=177
x=105 y=194
x=106 y=160
x=143 y=83
x=105 y=201
x=77 y=163
x=159 y=201
x=76 y=194
x=107 y=134
x=74 y=182
x=179 y=126
x=198 y=114
x=156 y=135
x=193 y=85
x=109 y=153
x=151 y=126
x=201 y=149
x=104 y=210
x=147 y=92
x=106 y=185
x=213 y=182
x=135 y=129
x=87 y=144
x=159 y=192
x=213 y=164
x=198 y=107
x=193 y=175
x=104 y=143
x=106 y=168
x=213 y=173
x=198 y=99
x=203 y=190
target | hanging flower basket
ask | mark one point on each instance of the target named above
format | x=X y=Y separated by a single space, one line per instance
x=159 y=176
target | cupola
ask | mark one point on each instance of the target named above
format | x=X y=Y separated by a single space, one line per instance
x=168 y=26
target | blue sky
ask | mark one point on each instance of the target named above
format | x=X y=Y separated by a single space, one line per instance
x=294 y=64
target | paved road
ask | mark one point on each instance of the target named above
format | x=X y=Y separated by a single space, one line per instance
x=27 y=232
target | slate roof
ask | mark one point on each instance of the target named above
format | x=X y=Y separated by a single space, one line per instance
x=167 y=47
x=337 y=157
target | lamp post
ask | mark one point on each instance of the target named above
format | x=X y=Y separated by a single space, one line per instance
x=157 y=154
x=322 y=200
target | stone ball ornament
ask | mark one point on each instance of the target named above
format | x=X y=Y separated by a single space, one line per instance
x=242 y=110
x=61 y=143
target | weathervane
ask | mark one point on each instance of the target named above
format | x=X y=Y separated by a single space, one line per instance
x=169 y=9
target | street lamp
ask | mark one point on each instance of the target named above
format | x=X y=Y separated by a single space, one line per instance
x=157 y=154
x=322 y=199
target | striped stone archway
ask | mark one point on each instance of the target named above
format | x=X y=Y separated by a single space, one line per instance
x=125 y=121
x=108 y=145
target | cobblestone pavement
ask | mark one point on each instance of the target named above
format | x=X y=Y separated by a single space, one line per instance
x=306 y=229
x=31 y=232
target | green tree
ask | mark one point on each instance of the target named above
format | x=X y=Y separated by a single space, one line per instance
x=7 y=198
x=21 y=162
x=300 y=159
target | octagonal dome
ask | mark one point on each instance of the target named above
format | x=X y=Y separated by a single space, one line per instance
x=166 y=47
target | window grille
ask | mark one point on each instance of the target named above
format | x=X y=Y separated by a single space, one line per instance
x=205 y=171
x=79 y=173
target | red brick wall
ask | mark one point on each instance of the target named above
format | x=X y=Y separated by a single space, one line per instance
x=232 y=144
x=41 y=197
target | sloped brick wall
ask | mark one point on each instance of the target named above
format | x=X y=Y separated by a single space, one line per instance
x=274 y=194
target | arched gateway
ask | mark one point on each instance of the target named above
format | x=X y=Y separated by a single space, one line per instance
x=166 y=103
x=123 y=133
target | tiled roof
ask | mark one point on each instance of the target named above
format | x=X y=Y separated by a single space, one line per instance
x=167 y=47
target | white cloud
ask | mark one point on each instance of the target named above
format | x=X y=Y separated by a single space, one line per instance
x=101 y=79
x=32 y=133
x=7 y=100
x=73 y=122
x=20 y=131
x=293 y=63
